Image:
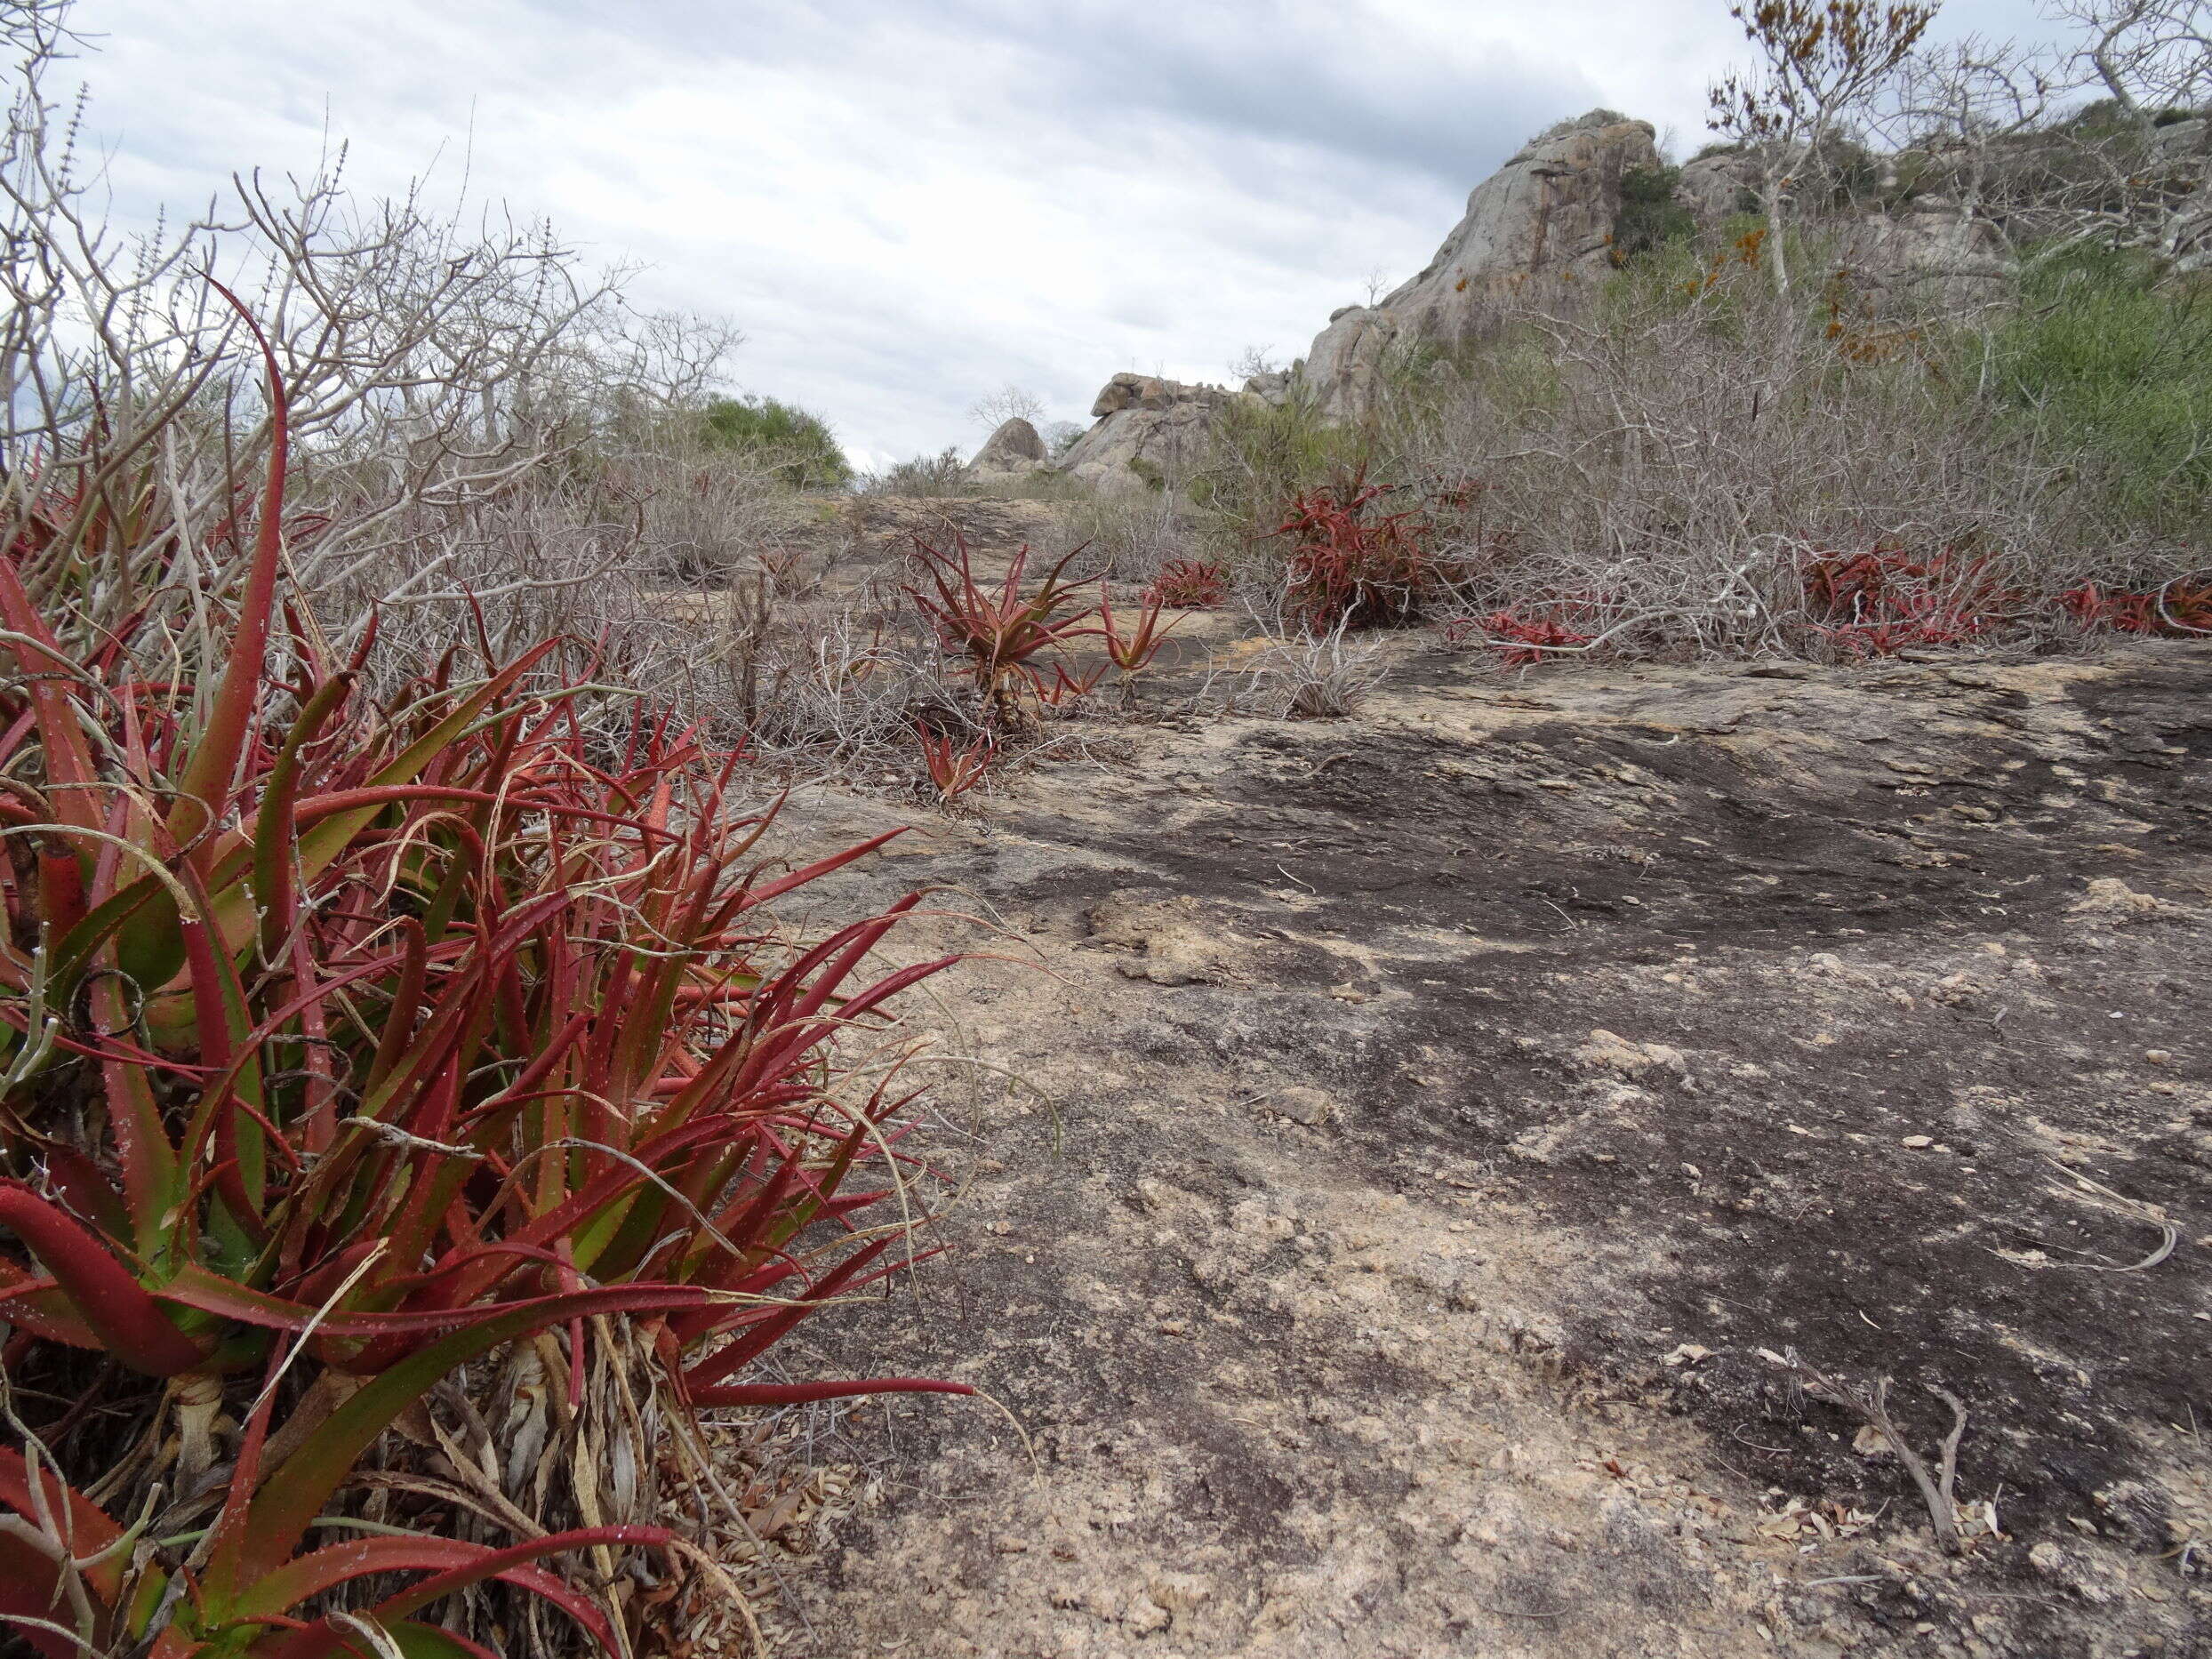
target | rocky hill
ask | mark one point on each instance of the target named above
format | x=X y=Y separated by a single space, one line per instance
x=1919 y=229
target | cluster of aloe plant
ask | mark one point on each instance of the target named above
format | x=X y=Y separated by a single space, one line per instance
x=344 y=1046
x=1003 y=636
x=1353 y=568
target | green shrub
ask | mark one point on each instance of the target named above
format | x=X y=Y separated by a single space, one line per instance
x=798 y=447
x=1263 y=455
x=1649 y=214
x=1850 y=172
x=2105 y=118
x=2110 y=361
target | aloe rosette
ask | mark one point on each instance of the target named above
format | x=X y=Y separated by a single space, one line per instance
x=370 y=1039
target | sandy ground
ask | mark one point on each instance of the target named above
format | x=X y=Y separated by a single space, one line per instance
x=1437 y=1132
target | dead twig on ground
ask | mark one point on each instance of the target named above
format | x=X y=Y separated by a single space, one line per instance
x=2101 y=1197
x=1870 y=1406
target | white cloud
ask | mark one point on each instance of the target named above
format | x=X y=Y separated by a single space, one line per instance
x=908 y=203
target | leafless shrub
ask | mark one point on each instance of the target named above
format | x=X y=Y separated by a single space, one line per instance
x=2151 y=59
x=1667 y=468
x=490 y=448
x=1131 y=535
x=1250 y=363
x=1962 y=109
x=840 y=682
x=2148 y=56
x=1298 y=675
x=1040 y=485
x=488 y=443
x=651 y=571
x=940 y=474
x=2003 y=130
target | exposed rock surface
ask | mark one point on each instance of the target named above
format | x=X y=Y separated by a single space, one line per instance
x=1713 y=187
x=1272 y=387
x=1547 y=214
x=1166 y=938
x=1399 y=1285
x=1149 y=432
x=2179 y=140
x=1931 y=252
x=1346 y=359
x=1548 y=211
x=1928 y=250
x=1015 y=448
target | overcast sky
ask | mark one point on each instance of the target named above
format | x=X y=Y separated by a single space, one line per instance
x=907 y=203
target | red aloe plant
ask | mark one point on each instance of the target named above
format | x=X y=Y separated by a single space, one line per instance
x=1189 y=584
x=998 y=631
x=1520 y=640
x=1349 y=567
x=1133 y=650
x=1886 y=600
x=66 y=1583
x=1065 y=688
x=396 y=1029
x=955 y=768
x=2181 y=609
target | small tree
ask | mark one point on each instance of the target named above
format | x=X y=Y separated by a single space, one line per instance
x=2153 y=58
x=1251 y=363
x=1820 y=64
x=1965 y=104
x=2106 y=171
x=795 y=445
x=1008 y=403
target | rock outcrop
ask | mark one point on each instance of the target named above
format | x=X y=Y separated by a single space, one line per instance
x=1931 y=252
x=1928 y=248
x=2183 y=141
x=1549 y=212
x=1015 y=448
x=1713 y=187
x=1271 y=387
x=1151 y=432
x=1546 y=216
x=1339 y=371
x=1546 y=221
